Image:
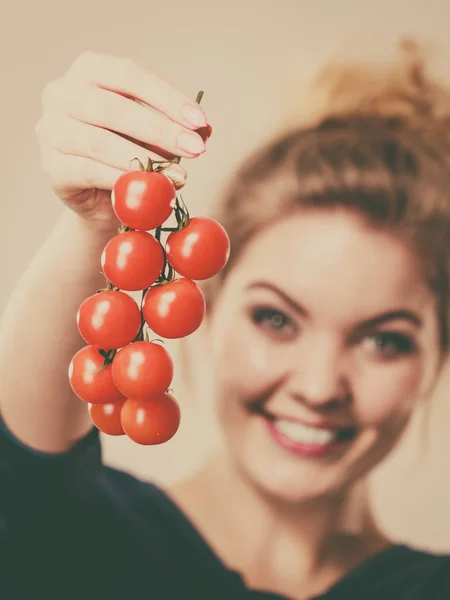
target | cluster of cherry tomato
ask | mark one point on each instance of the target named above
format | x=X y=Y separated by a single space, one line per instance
x=123 y=375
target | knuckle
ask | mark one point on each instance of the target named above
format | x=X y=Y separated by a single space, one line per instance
x=125 y=65
x=128 y=73
x=84 y=61
x=96 y=144
x=51 y=130
x=39 y=128
x=50 y=93
x=51 y=164
x=45 y=163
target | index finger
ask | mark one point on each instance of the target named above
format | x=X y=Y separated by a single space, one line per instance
x=124 y=76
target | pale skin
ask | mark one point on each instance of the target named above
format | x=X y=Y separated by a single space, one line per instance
x=314 y=355
x=317 y=353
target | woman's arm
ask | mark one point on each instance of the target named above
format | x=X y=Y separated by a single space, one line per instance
x=90 y=131
x=39 y=336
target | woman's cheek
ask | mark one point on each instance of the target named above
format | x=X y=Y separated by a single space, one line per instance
x=248 y=364
x=382 y=396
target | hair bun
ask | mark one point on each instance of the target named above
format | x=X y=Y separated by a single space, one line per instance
x=402 y=91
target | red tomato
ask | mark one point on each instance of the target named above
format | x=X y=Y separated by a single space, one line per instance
x=133 y=260
x=106 y=417
x=174 y=310
x=142 y=369
x=109 y=320
x=143 y=200
x=200 y=250
x=87 y=383
x=153 y=421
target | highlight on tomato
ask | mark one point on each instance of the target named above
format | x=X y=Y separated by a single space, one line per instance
x=106 y=417
x=142 y=369
x=89 y=380
x=151 y=422
x=109 y=319
x=143 y=200
x=174 y=310
x=132 y=260
x=200 y=250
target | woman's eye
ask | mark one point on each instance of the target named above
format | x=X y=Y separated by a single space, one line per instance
x=391 y=345
x=274 y=322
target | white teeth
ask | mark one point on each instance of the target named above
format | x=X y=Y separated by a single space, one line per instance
x=304 y=434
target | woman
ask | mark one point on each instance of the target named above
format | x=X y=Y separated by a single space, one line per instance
x=328 y=326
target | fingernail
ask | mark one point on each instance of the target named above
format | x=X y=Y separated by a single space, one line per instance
x=191 y=143
x=194 y=116
x=205 y=133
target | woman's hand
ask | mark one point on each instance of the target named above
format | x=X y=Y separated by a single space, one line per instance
x=104 y=112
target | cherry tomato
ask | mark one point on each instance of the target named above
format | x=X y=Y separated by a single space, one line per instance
x=142 y=369
x=106 y=417
x=133 y=260
x=153 y=421
x=143 y=200
x=109 y=320
x=200 y=250
x=86 y=381
x=174 y=310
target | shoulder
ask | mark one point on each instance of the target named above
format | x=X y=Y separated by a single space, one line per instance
x=404 y=573
x=140 y=500
x=421 y=574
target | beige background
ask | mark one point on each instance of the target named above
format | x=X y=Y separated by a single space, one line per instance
x=248 y=56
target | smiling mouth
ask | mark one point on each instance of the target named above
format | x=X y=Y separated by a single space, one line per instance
x=321 y=436
x=303 y=438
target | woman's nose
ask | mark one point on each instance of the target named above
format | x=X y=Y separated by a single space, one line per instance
x=320 y=377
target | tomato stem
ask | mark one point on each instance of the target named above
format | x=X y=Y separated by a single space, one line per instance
x=111 y=355
x=141 y=166
x=140 y=335
x=182 y=214
x=108 y=356
x=164 y=278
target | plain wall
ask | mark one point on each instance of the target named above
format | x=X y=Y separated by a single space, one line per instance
x=250 y=57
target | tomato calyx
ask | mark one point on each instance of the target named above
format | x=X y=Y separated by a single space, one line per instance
x=108 y=356
x=181 y=213
x=124 y=229
x=168 y=273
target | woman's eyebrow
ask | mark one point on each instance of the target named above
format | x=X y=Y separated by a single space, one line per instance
x=265 y=285
x=393 y=315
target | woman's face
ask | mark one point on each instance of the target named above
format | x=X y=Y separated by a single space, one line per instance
x=323 y=337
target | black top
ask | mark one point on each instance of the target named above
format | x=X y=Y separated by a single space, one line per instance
x=72 y=528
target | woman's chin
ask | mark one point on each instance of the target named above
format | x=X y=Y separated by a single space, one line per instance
x=297 y=486
x=291 y=472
